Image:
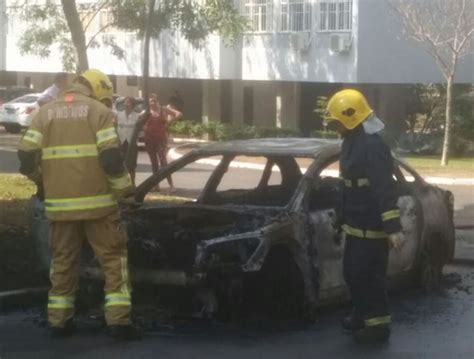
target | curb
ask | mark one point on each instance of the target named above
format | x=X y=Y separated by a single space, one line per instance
x=18 y=298
x=174 y=155
x=191 y=140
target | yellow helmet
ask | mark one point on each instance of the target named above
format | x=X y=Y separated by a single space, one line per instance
x=100 y=84
x=349 y=107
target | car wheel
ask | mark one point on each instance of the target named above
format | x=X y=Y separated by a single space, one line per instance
x=432 y=260
x=282 y=286
x=12 y=129
x=430 y=273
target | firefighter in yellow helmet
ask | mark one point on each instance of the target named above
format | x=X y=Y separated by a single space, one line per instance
x=72 y=150
x=370 y=217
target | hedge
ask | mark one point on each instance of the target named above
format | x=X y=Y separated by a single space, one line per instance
x=217 y=131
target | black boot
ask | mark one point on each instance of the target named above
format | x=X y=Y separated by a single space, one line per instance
x=62 y=332
x=124 y=332
x=372 y=335
x=349 y=324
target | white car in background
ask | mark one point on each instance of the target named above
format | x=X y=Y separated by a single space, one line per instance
x=17 y=113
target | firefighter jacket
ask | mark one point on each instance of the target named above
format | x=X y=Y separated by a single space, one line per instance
x=74 y=148
x=369 y=204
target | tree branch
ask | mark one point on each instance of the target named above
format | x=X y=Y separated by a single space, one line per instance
x=97 y=10
x=97 y=33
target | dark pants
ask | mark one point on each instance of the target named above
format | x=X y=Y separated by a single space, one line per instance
x=131 y=162
x=157 y=152
x=365 y=272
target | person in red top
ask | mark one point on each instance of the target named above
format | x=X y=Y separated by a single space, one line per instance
x=156 y=134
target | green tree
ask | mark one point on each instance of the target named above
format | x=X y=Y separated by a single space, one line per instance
x=444 y=28
x=68 y=26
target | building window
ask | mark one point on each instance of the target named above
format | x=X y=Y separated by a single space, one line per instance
x=335 y=15
x=259 y=14
x=295 y=15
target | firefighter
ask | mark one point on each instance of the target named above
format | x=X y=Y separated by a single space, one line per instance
x=370 y=217
x=72 y=150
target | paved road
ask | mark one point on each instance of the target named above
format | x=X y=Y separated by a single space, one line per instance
x=437 y=326
x=194 y=177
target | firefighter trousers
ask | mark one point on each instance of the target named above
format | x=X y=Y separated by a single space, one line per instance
x=365 y=272
x=108 y=240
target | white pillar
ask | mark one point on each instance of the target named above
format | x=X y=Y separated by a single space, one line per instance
x=278 y=111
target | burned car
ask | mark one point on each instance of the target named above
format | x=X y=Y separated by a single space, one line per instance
x=254 y=220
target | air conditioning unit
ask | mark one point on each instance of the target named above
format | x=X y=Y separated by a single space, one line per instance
x=300 y=41
x=340 y=42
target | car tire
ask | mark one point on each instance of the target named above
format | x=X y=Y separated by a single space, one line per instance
x=430 y=273
x=283 y=286
x=432 y=260
x=12 y=129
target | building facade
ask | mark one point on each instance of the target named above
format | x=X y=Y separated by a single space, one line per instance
x=294 y=51
x=3 y=34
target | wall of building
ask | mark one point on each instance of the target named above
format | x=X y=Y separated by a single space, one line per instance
x=386 y=56
x=377 y=54
x=3 y=34
x=270 y=56
x=276 y=55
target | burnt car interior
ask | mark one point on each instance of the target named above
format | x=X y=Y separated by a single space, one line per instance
x=264 y=193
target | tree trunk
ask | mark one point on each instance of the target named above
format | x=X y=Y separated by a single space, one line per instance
x=77 y=33
x=447 y=127
x=145 y=94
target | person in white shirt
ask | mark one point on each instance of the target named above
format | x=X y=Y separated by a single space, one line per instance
x=53 y=91
x=126 y=121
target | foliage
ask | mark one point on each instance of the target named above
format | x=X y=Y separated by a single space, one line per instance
x=444 y=28
x=15 y=187
x=324 y=134
x=195 y=21
x=427 y=108
x=321 y=105
x=48 y=29
x=427 y=113
x=217 y=131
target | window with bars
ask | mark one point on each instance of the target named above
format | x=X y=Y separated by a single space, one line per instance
x=335 y=15
x=295 y=15
x=259 y=14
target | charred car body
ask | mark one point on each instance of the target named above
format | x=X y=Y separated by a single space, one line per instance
x=270 y=235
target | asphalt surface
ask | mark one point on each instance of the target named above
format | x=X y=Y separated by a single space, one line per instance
x=435 y=326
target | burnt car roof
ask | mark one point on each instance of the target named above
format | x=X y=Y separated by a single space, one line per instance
x=299 y=147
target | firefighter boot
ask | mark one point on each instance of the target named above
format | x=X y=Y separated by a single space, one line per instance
x=372 y=335
x=124 y=332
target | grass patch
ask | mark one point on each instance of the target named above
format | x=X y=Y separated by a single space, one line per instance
x=14 y=186
x=430 y=165
x=15 y=204
x=18 y=257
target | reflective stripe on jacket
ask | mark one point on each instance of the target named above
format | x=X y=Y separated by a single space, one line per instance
x=370 y=194
x=71 y=133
